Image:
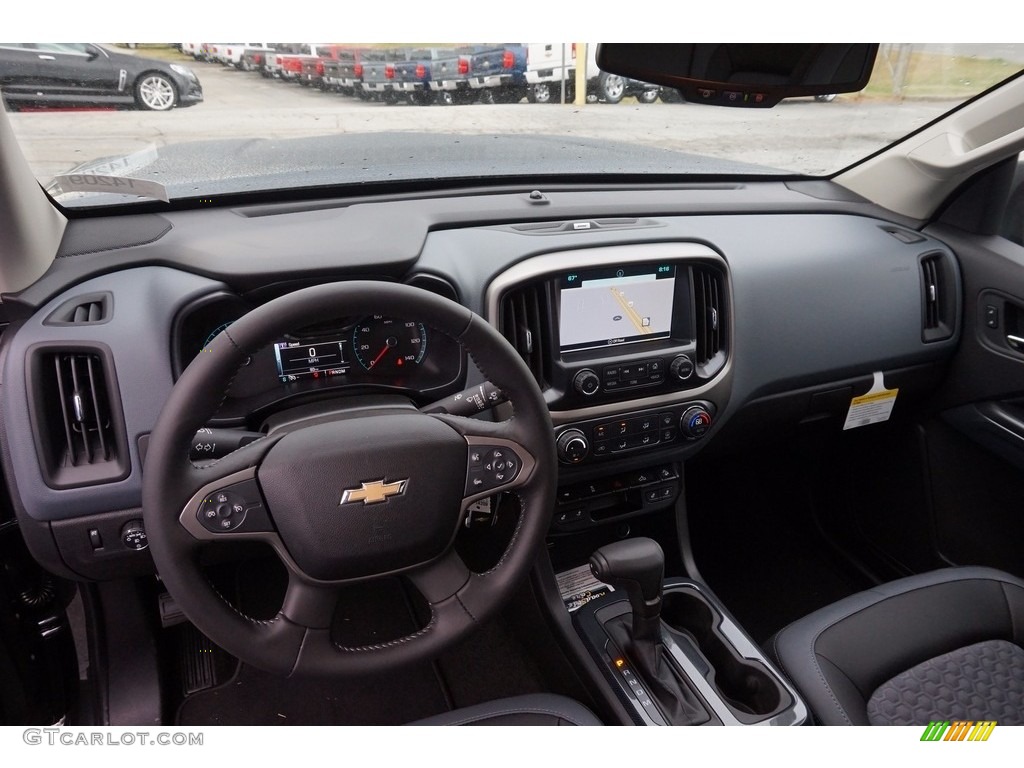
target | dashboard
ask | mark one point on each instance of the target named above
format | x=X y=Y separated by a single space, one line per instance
x=657 y=323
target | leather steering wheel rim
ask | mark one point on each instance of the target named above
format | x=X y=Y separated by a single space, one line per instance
x=297 y=640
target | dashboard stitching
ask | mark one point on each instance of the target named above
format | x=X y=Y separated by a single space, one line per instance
x=390 y=643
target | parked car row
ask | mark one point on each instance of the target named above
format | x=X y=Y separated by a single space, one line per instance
x=484 y=73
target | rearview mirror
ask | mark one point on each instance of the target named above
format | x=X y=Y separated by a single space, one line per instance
x=743 y=74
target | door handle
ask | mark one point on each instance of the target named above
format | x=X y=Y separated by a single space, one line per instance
x=47 y=57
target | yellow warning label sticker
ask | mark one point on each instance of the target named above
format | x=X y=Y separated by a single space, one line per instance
x=873 y=407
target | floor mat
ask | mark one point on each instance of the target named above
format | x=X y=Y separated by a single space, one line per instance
x=376 y=611
x=756 y=543
x=491 y=663
x=255 y=697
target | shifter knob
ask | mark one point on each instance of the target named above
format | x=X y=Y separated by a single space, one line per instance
x=636 y=565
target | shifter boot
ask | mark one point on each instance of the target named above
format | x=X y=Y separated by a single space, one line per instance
x=677 y=702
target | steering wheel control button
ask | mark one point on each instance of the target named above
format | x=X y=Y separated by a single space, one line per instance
x=497 y=466
x=228 y=509
x=222 y=512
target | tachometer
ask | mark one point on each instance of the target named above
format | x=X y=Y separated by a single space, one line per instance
x=386 y=345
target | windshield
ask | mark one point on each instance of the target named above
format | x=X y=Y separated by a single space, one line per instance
x=112 y=124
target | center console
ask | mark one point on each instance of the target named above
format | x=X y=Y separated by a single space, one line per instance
x=631 y=346
x=672 y=653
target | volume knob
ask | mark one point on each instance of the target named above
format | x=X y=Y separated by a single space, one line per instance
x=586 y=382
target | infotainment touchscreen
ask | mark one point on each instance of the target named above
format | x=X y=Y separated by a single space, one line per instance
x=615 y=305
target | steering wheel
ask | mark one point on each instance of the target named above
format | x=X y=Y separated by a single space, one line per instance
x=341 y=500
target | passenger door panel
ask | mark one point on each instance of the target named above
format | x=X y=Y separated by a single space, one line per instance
x=975 y=448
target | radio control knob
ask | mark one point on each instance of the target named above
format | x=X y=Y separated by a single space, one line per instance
x=681 y=367
x=572 y=446
x=586 y=382
x=695 y=422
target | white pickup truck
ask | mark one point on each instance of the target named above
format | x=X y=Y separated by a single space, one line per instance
x=230 y=54
x=549 y=65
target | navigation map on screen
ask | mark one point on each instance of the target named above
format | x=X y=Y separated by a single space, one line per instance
x=603 y=311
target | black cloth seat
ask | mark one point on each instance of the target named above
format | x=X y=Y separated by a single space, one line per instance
x=531 y=709
x=944 y=645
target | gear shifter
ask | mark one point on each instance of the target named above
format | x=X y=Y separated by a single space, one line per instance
x=637 y=566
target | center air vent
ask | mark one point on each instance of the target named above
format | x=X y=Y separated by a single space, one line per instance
x=78 y=425
x=711 y=318
x=524 y=322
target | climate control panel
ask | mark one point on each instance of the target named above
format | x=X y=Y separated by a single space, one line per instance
x=606 y=437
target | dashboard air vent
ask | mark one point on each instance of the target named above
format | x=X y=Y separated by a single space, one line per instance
x=92 y=309
x=937 y=302
x=79 y=429
x=523 y=321
x=710 y=305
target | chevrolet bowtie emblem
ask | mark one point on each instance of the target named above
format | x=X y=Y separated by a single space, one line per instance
x=373 y=493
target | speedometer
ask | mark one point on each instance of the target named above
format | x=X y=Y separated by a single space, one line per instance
x=214 y=333
x=386 y=345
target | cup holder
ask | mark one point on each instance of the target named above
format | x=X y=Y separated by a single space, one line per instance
x=744 y=684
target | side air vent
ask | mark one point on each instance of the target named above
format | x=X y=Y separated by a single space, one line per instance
x=938 y=305
x=524 y=321
x=76 y=413
x=711 y=315
x=91 y=309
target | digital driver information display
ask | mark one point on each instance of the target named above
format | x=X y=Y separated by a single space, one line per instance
x=304 y=359
x=600 y=308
